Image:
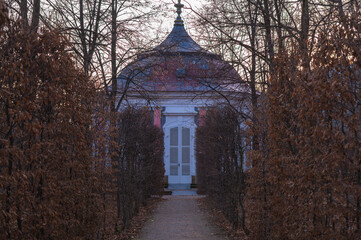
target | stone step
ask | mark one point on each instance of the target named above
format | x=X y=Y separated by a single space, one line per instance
x=184 y=192
x=179 y=186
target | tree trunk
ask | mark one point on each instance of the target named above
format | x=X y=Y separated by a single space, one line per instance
x=279 y=26
x=254 y=96
x=113 y=55
x=24 y=12
x=36 y=16
x=267 y=23
x=305 y=26
x=113 y=110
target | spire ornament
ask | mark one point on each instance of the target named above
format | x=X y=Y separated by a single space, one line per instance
x=179 y=7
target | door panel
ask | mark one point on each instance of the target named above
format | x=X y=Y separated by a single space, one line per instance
x=180 y=155
x=174 y=170
x=186 y=153
x=186 y=138
x=174 y=136
x=186 y=171
x=174 y=152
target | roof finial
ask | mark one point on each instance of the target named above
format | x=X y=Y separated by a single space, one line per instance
x=179 y=7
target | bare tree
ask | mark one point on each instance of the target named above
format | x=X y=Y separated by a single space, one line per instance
x=35 y=16
x=24 y=6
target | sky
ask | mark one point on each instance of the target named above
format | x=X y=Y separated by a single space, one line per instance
x=188 y=4
x=187 y=14
x=194 y=3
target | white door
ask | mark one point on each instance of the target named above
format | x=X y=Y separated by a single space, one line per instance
x=179 y=155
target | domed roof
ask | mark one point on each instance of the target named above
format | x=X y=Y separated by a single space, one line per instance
x=178 y=64
x=179 y=41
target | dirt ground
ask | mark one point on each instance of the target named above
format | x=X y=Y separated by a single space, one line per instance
x=180 y=218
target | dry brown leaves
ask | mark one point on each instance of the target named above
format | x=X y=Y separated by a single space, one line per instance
x=138 y=221
x=217 y=217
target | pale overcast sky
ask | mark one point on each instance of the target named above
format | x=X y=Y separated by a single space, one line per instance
x=186 y=14
x=193 y=3
x=164 y=21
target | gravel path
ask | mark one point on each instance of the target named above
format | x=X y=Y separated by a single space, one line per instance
x=180 y=218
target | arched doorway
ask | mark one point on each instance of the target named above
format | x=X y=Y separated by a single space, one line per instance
x=179 y=157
